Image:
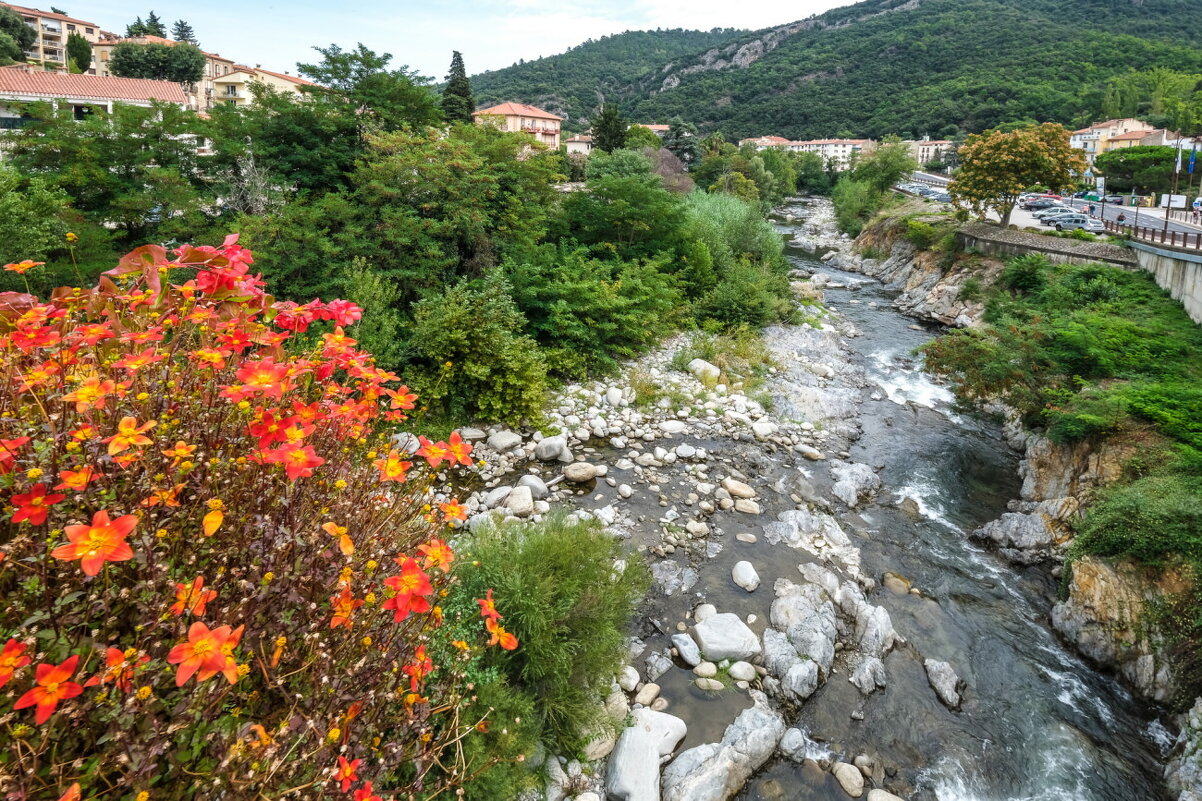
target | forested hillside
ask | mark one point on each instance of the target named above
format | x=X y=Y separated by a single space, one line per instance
x=883 y=66
x=575 y=83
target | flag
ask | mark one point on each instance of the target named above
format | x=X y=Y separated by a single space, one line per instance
x=1178 y=170
x=1193 y=157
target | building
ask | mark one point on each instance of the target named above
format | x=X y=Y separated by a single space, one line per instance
x=837 y=154
x=763 y=142
x=542 y=125
x=659 y=130
x=926 y=150
x=21 y=84
x=50 y=48
x=201 y=95
x=1096 y=139
x=233 y=89
x=581 y=143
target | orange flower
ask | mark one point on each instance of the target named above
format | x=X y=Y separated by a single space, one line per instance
x=344 y=542
x=77 y=480
x=365 y=793
x=102 y=541
x=133 y=362
x=119 y=668
x=84 y=433
x=411 y=586
x=434 y=452
x=192 y=598
x=229 y=665
x=419 y=668
x=181 y=450
x=8 y=452
x=453 y=510
x=487 y=608
x=129 y=434
x=91 y=393
x=500 y=635
x=347 y=773
x=393 y=468
x=23 y=266
x=11 y=659
x=437 y=554
x=344 y=607
x=458 y=450
x=34 y=505
x=263 y=376
x=202 y=651
x=52 y=686
x=214 y=517
x=166 y=497
x=73 y=792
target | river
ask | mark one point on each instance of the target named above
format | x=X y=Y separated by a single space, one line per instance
x=1037 y=723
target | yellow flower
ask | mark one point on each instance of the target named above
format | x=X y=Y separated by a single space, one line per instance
x=33 y=472
x=243 y=669
x=215 y=504
x=243 y=405
x=334 y=734
x=367 y=640
x=268 y=576
x=339 y=484
x=161 y=533
x=142 y=396
x=142 y=796
x=370 y=598
x=281 y=641
x=72 y=446
x=143 y=693
x=372 y=564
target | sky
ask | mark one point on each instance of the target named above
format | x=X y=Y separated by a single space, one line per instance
x=490 y=33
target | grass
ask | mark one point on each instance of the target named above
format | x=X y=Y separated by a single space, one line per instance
x=741 y=355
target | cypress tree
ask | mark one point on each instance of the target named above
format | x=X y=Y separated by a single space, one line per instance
x=154 y=25
x=135 y=28
x=181 y=31
x=79 y=52
x=609 y=129
x=457 y=102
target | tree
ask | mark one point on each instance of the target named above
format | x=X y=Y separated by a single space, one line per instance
x=997 y=167
x=640 y=136
x=359 y=83
x=181 y=63
x=609 y=129
x=79 y=52
x=154 y=26
x=15 y=36
x=181 y=31
x=681 y=139
x=885 y=166
x=30 y=217
x=1146 y=168
x=457 y=102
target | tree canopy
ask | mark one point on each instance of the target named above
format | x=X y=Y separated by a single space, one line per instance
x=1139 y=169
x=15 y=36
x=457 y=102
x=996 y=167
x=181 y=63
x=79 y=52
x=609 y=129
x=361 y=83
x=181 y=31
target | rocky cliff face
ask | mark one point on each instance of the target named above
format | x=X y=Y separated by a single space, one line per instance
x=1184 y=771
x=1105 y=617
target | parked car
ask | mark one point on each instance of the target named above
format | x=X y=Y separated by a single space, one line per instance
x=1036 y=203
x=1115 y=199
x=1069 y=222
x=940 y=197
x=1052 y=211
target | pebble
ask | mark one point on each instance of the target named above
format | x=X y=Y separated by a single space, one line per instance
x=706 y=670
x=742 y=671
x=737 y=489
x=849 y=778
x=628 y=679
x=712 y=685
x=625 y=491
x=580 y=472
x=744 y=575
x=745 y=537
x=648 y=693
x=747 y=507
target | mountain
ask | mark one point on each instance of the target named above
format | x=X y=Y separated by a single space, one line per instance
x=910 y=67
x=574 y=84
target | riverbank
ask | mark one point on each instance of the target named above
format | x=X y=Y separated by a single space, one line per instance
x=820 y=626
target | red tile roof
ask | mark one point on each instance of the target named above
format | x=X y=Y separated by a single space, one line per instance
x=285 y=77
x=22 y=82
x=37 y=12
x=516 y=110
x=657 y=128
x=1131 y=135
x=150 y=39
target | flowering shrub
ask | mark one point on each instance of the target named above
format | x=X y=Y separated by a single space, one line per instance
x=218 y=577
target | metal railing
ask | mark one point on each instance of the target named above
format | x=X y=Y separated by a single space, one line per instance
x=12 y=123
x=1189 y=240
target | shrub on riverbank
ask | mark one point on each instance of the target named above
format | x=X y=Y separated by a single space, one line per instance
x=213 y=563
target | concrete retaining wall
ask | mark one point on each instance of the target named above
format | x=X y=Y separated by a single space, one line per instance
x=1177 y=271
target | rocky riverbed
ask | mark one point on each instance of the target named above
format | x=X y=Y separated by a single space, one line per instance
x=821 y=627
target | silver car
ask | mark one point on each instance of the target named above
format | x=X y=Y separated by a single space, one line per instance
x=1069 y=222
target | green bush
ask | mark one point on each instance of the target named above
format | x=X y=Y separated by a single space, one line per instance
x=569 y=594
x=920 y=234
x=618 y=163
x=472 y=357
x=972 y=290
x=1024 y=274
x=748 y=295
x=1152 y=519
x=855 y=203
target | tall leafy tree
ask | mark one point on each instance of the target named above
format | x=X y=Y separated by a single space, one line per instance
x=181 y=31
x=885 y=166
x=1141 y=168
x=79 y=52
x=360 y=83
x=154 y=25
x=181 y=63
x=136 y=28
x=681 y=139
x=15 y=36
x=457 y=102
x=996 y=167
x=609 y=129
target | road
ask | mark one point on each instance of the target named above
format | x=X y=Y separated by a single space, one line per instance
x=1145 y=218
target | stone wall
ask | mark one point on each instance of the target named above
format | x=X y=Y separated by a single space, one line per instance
x=1003 y=243
x=1177 y=271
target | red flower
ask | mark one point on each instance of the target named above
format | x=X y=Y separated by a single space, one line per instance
x=263 y=376
x=192 y=598
x=90 y=393
x=411 y=586
x=202 y=651
x=11 y=659
x=298 y=460
x=133 y=362
x=52 y=686
x=73 y=793
x=419 y=668
x=119 y=668
x=102 y=541
x=436 y=553
x=129 y=434
x=34 y=505
x=365 y=793
x=8 y=452
x=343 y=312
x=23 y=266
x=500 y=635
x=347 y=773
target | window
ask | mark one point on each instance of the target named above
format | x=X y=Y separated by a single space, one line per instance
x=88 y=30
x=70 y=27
